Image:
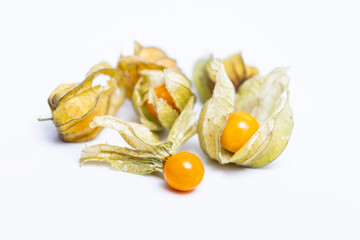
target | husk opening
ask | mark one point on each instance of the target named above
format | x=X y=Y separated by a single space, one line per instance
x=266 y=98
x=177 y=85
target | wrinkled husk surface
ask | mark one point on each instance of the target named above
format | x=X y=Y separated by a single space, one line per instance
x=177 y=85
x=147 y=154
x=235 y=68
x=264 y=97
x=74 y=106
x=144 y=58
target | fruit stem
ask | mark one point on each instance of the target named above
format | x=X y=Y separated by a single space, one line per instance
x=44 y=119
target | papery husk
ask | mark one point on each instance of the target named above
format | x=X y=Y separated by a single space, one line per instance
x=184 y=127
x=215 y=111
x=136 y=135
x=125 y=159
x=177 y=85
x=144 y=58
x=149 y=154
x=264 y=97
x=74 y=106
x=235 y=68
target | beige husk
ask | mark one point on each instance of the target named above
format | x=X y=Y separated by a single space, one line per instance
x=148 y=153
x=264 y=97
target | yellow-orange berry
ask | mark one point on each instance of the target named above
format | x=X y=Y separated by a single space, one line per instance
x=183 y=171
x=163 y=93
x=240 y=127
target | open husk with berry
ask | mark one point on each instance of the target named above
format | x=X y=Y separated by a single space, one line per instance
x=182 y=171
x=160 y=96
x=266 y=98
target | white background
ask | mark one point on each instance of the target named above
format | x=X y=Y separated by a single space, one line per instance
x=310 y=192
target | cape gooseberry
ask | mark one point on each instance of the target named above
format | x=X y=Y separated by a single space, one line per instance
x=240 y=127
x=183 y=171
x=163 y=93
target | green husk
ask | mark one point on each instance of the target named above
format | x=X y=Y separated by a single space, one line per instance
x=183 y=128
x=203 y=86
x=214 y=114
x=125 y=159
x=264 y=97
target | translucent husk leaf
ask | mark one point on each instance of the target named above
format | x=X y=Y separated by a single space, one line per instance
x=184 y=127
x=125 y=159
x=165 y=113
x=266 y=98
x=214 y=113
x=144 y=58
x=136 y=135
x=177 y=85
x=270 y=140
x=203 y=83
x=139 y=96
x=149 y=154
x=261 y=96
x=235 y=68
x=75 y=105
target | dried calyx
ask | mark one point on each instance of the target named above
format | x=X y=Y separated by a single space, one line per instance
x=266 y=98
x=235 y=68
x=74 y=106
x=147 y=154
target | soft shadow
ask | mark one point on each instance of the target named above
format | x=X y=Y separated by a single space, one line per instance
x=156 y=174
x=229 y=167
x=170 y=189
x=47 y=132
x=208 y=162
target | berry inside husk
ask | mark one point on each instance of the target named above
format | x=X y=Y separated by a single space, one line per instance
x=163 y=93
x=240 y=127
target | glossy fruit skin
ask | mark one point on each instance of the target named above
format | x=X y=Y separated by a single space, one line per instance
x=163 y=93
x=183 y=171
x=240 y=127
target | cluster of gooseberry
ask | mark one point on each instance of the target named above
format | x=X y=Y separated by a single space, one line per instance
x=184 y=171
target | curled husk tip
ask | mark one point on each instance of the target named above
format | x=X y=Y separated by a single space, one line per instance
x=235 y=68
x=266 y=98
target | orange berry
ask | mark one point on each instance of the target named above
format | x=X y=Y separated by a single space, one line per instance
x=151 y=109
x=183 y=171
x=240 y=127
x=163 y=93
